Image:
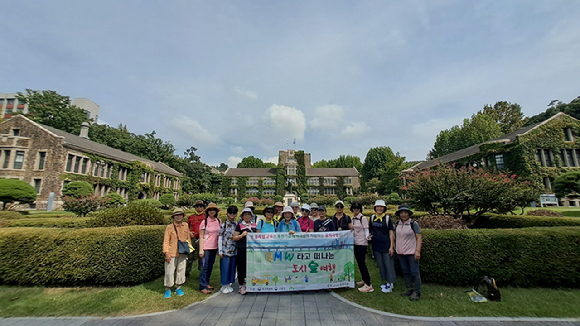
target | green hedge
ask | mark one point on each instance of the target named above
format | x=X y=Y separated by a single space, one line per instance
x=127 y=255
x=571 y=213
x=530 y=257
x=522 y=221
x=63 y=222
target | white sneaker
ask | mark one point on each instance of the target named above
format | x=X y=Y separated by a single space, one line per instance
x=225 y=289
x=388 y=288
x=383 y=286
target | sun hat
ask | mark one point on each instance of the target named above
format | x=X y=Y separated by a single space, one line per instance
x=178 y=211
x=269 y=208
x=248 y=204
x=339 y=202
x=380 y=202
x=246 y=210
x=306 y=207
x=278 y=204
x=322 y=208
x=212 y=206
x=313 y=206
x=403 y=208
x=199 y=203
x=294 y=204
x=287 y=209
x=356 y=204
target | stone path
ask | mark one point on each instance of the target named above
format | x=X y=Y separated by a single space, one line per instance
x=307 y=309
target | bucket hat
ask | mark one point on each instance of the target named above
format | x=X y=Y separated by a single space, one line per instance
x=212 y=206
x=249 y=204
x=278 y=204
x=380 y=202
x=314 y=206
x=246 y=210
x=403 y=208
x=306 y=207
x=294 y=204
x=287 y=209
x=178 y=211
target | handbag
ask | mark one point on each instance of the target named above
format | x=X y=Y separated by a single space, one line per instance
x=182 y=246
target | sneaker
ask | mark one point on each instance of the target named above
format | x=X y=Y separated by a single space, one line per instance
x=242 y=290
x=225 y=289
x=366 y=289
x=167 y=294
x=407 y=293
x=388 y=288
x=415 y=296
x=383 y=286
x=360 y=283
x=179 y=292
x=230 y=288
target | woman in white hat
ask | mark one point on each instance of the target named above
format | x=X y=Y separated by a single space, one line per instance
x=306 y=223
x=242 y=230
x=288 y=223
x=383 y=235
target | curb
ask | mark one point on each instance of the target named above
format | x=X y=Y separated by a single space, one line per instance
x=447 y=319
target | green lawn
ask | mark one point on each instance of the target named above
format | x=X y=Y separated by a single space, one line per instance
x=445 y=301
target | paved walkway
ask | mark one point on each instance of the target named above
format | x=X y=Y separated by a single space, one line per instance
x=306 y=309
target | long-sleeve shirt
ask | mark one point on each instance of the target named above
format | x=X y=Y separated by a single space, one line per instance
x=170 y=238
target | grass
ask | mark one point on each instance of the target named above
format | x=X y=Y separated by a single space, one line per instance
x=20 y=301
x=445 y=301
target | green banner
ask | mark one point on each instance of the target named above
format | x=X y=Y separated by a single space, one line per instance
x=279 y=262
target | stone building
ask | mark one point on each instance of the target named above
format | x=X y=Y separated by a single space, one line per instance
x=539 y=152
x=48 y=158
x=9 y=106
x=293 y=174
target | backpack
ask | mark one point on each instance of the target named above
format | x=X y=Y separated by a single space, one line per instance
x=413 y=225
x=492 y=289
x=275 y=224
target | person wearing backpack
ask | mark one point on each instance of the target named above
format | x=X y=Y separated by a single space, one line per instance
x=409 y=244
x=208 y=245
x=268 y=224
x=382 y=233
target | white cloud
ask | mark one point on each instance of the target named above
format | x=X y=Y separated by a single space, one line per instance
x=273 y=159
x=233 y=161
x=197 y=133
x=327 y=117
x=238 y=150
x=287 y=121
x=247 y=94
x=356 y=129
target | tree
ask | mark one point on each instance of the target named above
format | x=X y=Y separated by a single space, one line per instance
x=167 y=200
x=254 y=162
x=480 y=128
x=384 y=165
x=567 y=184
x=554 y=107
x=12 y=190
x=222 y=167
x=509 y=115
x=77 y=189
x=54 y=110
x=343 y=161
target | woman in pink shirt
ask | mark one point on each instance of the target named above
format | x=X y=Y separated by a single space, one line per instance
x=408 y=246
x=306 y=224
x=208 y=246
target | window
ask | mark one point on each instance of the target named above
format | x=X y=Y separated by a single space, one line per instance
x=570 y=157
x=348 y=181
x=312 y=181
x=313 y=191
x=252 y=191
x=77 y=164
x=330 y=181
x=539 y=157
x=563 y=157
x=84 y=165
x=69 y=162
x=269 y=192
x=291 y=170
x=41 y=160
x=10 y=101
x=330 y=191
x=19 y=159
x=37 y=183
x=109 y=170
x=568 y=134
x=269 y=182
x=16 y=132
x=290 y=160
x=253 y=182
x=6 y=159
x=548 y=158
x=499 y=162
x=234 y=181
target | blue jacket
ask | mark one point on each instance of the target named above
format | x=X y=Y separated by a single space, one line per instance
x=293 y=226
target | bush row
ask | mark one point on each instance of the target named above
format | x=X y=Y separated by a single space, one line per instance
x=522 y=221
x=530 y=257
x=127 y=255
x=63 y=222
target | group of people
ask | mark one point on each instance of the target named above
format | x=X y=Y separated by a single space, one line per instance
x=211 y=237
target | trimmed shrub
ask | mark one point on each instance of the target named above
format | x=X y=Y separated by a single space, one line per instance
x=64 y=222
x=189 y=200
x=11 y=215
x=522 y=221
x=444 y=222
x=531 y=257
x=278 y=198
x=167 y=200
x=394 y=199
x=12 y=190
x=77 y=189
x=571 y=213
x=326 y=200
x=81 y=206
x=113 y=199
x=139 y=212
x=544 y=212
x=152 y=202
x=101 y=256
x=226 y=201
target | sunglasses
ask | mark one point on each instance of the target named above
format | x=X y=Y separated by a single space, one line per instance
x=322 y=210
x=305 y=210
x=269 y=212
x=339 y=206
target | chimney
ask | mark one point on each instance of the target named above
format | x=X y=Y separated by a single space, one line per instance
x=84 y=130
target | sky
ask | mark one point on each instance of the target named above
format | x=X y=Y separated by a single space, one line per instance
x=241 y=78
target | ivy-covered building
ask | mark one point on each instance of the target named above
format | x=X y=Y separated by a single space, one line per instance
x=294 y=168
x=48 y=158
x=539 y=152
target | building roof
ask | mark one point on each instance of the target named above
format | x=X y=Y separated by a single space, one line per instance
x=87 y=145
x=471 y=150
x=251 y=172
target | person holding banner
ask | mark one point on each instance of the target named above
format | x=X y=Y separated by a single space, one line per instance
x=306 y=223
x=288 y=223
x=383 y=235
x=361 y=236
x=323 y=224
x=242 y=230
x=268 y=224
x=227 y=250
x=208 y=246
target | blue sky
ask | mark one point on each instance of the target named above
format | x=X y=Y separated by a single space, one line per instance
x=240 y=78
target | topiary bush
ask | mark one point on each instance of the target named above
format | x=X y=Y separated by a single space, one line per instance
x=394 y=199
x=567 y=184
x=530 y=257
x=522 y=221
x=81 y=206
x=152 y=202
x=167 y=200
x=64 y=222
x=68 y=257
x=113 y=199
x=138 y=212
x=12 y=190
x=77 y=189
